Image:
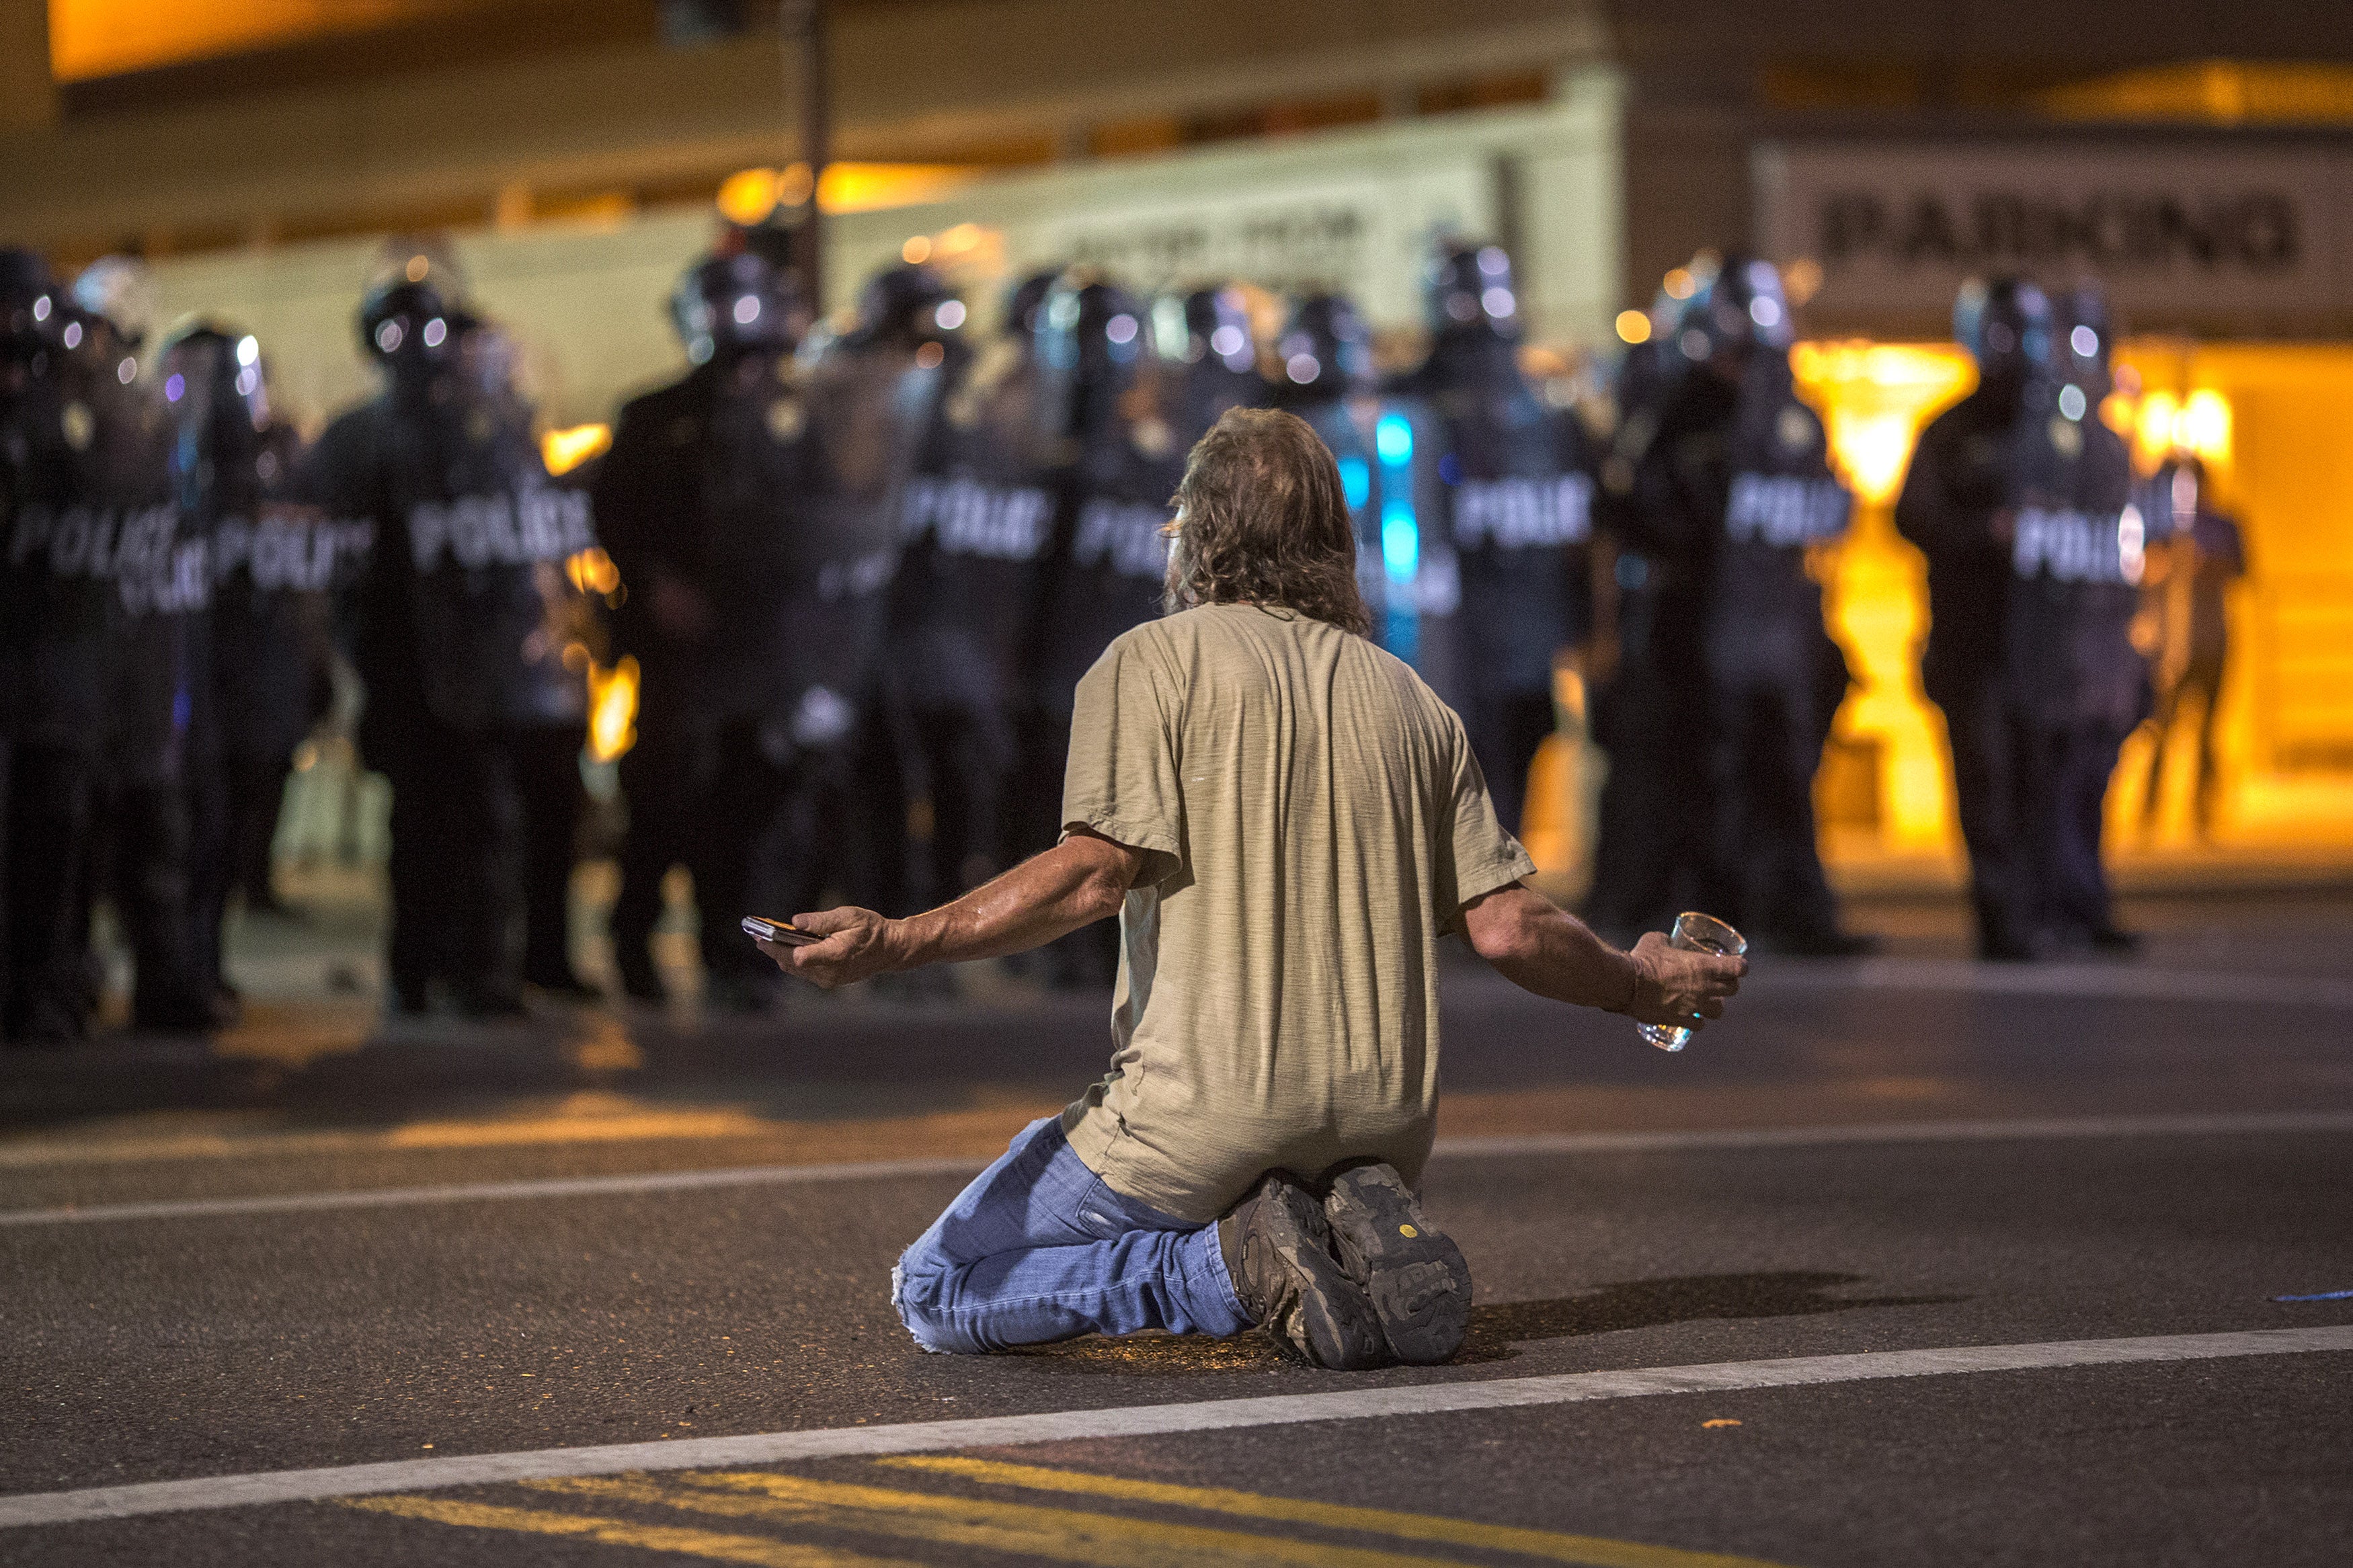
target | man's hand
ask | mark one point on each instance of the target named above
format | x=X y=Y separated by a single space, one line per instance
x=1678 y=988
x=857 y=946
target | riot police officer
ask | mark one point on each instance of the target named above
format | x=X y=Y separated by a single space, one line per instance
x=1646 y=678
x=975 y=532
x=1388 y=447
x=1520 y=497
x=154 y=806
x=1960 y=481
x=57 y=522
x=752 y=511
x=1736 y=491
x=458 y=627
x=265 y=638
x=2076 y=685
x=1109 y=565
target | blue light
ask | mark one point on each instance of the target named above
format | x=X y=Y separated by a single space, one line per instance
x=1356 y=483
x=1392 y=439
x=1400 y=541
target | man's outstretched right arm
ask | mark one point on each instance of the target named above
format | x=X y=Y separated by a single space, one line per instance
x=1540 y=947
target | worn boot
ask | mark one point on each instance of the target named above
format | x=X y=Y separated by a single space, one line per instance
x=1278 y=1251
x=1410 y=1271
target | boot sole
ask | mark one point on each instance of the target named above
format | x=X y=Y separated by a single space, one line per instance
x=1326 y=1320
x=1411 y=1270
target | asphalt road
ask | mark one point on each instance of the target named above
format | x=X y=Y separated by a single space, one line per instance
x=1864 y=1163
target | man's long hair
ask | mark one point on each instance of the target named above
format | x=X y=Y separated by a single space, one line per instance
x=1261 y=520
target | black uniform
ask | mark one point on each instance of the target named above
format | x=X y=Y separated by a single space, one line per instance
x=156 y=810
x=2076 y=685
x=1754 y=483
x=1519 y=494
x=1519 y=514
x=1648 y=688
x=459 y=628
x=59 y=521
x=1962 y=479
x=264 y=644
x=976 y=528
x=753 y=516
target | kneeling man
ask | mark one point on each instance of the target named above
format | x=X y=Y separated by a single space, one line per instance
x=1285 y=820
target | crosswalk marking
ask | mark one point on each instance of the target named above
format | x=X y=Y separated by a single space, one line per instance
x=973 y=1524
x=757 y=1550
x=1593 y=1550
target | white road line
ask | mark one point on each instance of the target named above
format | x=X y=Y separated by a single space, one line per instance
x=2027 y=1128
x=1136 y=1421
x=2114 y=982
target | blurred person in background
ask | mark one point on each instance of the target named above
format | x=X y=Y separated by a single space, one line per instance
x=2076 y=685
x=1647 y=681
x=1961 y=482
x=1519 y=512
x=1736 y=490
x=658 y=493
x=1213 y=361
x=2202 y=552
x=752 y=510
x=909 y=323
x=265 y=636
x=976 y=530
x=57 y=607
x=1094 y=344
x=1389 y=448
x=458 y=627
x=158 y=807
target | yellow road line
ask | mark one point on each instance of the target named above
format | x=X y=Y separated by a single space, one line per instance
x=973 y=1524
x=753 y=1549
x=1595 y=1552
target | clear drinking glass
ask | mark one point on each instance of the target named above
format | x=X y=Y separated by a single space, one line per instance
x=1694 y=932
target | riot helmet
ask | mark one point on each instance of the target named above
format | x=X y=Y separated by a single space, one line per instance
x=1468 y=291
x=2005 y=324
x=1736 y=306
x=1217 y=327
x=215 y=393
x=2082 y=337
x=906 y=303
x=726 y=306
x=33 y=309
x=1026 y=299
x=1327 y=348
x=407 y=319
x=1093 y=337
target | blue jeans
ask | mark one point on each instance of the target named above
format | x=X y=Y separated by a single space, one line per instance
x=1038 y=1248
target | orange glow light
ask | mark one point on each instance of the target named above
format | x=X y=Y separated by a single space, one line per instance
x=564 y=450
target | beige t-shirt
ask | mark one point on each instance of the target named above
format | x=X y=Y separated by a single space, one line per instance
x=1314 y=822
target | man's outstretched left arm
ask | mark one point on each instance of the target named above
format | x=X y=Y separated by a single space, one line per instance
x=1078 y=882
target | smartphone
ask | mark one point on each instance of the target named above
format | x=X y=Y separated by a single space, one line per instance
x=783 y=933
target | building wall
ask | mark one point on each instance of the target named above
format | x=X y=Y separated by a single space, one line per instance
x=1351 y=209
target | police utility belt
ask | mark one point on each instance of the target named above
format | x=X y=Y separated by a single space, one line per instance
x=1786 y=512
x=2068 y=546
x=969 y=518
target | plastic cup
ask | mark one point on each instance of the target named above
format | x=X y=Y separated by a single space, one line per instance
x=1693 y=933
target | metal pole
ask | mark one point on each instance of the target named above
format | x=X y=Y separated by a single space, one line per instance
x=804 y=35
